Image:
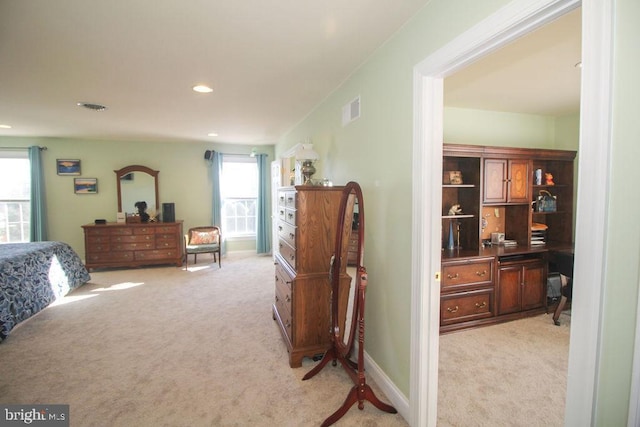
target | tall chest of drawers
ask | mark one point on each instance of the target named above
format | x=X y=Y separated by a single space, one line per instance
x=132 y=245
x=307 y=219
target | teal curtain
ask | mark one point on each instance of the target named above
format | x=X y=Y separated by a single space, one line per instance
x=216 y=208
x=263 y=234
x=38 y=221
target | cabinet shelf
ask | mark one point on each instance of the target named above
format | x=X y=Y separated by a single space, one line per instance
x=457 y=216
x=458 y=186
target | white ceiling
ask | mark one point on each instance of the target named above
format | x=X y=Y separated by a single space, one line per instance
x=269 y=63
x=536 y=74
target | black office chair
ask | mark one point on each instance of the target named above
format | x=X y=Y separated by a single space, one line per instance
x=564 y=265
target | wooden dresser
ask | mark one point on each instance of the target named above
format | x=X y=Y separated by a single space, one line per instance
x=132 y=245
x=307 y=218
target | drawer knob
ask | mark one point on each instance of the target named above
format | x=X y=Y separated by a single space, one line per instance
x=452 y=310
x=481 y=305
x=291 y=235
x=481 y=273
x=277 y=299
x=280 y=227
x=455 y=276
x=287 y=298
x=290 y=215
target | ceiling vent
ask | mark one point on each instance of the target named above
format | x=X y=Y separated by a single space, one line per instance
x=90 y=106
x=351 y=111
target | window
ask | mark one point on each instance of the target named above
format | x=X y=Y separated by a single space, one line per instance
x=239 y=191
x=15 y=194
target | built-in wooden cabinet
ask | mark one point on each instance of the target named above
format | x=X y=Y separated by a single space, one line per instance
x=522 y=284
x=132 y=244
x=495 y=191
x=505 y=181
x=307 y=220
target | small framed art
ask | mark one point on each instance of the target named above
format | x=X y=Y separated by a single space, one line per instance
x=85 y=185
x=68 y=166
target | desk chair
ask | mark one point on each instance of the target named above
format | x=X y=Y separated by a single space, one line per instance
x=202 y=240
x=564 y=264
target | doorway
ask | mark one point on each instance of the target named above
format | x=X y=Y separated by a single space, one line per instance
x=510 y=22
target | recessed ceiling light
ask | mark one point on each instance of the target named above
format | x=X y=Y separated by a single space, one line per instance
x=90 y=106
x=212 y=134
x=202 y=89
x=5 y=127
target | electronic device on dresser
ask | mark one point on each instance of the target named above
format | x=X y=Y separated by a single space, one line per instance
x=495 y=242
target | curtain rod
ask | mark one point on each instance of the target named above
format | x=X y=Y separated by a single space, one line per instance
x=42 y=148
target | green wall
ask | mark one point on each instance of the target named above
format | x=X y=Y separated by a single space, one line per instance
x=376 y=151
x=184 y=179
x=622 y=274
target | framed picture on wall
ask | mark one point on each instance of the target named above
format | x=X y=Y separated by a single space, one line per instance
x=68 y=166
x=85 y=185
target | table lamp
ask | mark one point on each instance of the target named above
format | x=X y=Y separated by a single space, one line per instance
x=307 y=156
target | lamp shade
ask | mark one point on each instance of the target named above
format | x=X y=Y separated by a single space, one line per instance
x=306 y=152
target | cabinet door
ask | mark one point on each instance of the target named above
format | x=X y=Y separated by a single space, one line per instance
x=509 y=289
x=495 y=179
x=518 y=181
x=534 y=289
x=506 y=181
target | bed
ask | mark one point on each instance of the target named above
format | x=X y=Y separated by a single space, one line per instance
x=32 y=276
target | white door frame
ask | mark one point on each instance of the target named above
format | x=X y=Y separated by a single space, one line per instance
x=507 y=24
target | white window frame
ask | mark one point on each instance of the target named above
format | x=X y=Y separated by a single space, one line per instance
x=230 y=158
x=24 y=221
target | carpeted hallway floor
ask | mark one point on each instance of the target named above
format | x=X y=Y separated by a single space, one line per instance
x=167 y=347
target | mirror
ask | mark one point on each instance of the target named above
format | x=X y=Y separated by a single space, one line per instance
x=137 y=183
x=348 y=283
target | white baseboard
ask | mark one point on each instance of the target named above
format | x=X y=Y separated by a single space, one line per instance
x=397 y=398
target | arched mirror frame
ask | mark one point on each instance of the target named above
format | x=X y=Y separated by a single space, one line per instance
x=343 y=288
x=136 y=168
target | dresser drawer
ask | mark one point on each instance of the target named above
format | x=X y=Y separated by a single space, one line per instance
x=166 y=241
x=283 y=296
x=143 y=230
x=287 y=252
x=287 y=232
x=290 y=216
x=109 y=257
x=467 y=273
x=134 y=238
x=166 y=229
x=290 y=199
x=119 y=231
x=97 y=232
x=132 y=246
x=102 y=241
x=282 y=199
x=155 y=254
x=466 y=306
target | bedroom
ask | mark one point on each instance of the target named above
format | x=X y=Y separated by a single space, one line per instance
x=386 y=123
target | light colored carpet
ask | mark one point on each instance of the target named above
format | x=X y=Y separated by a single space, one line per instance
x=166 y=347
x=511 y=374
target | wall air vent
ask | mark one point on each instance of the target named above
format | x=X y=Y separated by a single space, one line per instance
x=351 y=111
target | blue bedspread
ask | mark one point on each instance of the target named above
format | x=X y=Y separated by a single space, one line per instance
x=32 y=276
